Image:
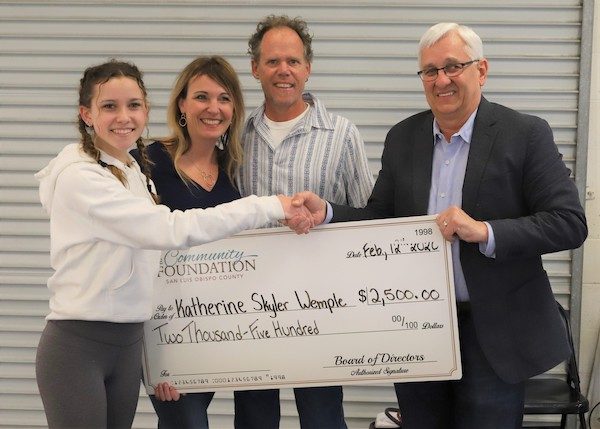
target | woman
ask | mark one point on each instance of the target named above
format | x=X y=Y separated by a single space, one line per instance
x=105 y=236
x=195 y=167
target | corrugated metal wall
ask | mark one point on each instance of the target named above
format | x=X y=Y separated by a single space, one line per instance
x=364 y=69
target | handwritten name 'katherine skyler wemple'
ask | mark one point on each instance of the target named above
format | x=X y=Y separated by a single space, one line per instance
x=196 y=307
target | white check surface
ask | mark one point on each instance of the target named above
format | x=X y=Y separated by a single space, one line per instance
x=349 y=303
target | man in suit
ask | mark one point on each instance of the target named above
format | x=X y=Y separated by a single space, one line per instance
x=503 y=196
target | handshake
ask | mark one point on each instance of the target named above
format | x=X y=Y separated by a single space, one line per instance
x=303 y=211
x=306 y=210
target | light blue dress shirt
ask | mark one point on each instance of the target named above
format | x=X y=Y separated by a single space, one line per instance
x=447 y=177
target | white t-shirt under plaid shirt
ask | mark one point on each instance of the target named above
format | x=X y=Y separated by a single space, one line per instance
x=323 y=153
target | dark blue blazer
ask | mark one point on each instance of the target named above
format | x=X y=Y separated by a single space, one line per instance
x=516 y=180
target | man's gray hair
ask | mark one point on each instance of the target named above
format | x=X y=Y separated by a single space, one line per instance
x=473 y=43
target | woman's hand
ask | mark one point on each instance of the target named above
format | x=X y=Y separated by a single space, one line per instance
x=296 y=214
x=166 y=392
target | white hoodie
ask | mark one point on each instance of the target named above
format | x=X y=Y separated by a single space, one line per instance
x=105 y=238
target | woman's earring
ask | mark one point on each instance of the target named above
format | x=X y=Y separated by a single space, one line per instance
x=89 y=128
x=182 y=121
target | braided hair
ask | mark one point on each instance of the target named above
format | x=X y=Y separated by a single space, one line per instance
x=100 y=74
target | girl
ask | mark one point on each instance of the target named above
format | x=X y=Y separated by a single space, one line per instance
x=105 y=236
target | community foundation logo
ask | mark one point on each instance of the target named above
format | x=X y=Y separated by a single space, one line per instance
x=182 y=266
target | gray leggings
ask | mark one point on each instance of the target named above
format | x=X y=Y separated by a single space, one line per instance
x=88 y=373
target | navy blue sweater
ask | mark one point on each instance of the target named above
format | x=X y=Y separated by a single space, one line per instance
x=178 y=195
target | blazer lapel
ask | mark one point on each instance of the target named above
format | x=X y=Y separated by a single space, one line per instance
x=482 y=141
x=422 y=165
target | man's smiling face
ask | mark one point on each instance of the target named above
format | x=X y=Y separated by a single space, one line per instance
x=282 y=70
x=453 y=99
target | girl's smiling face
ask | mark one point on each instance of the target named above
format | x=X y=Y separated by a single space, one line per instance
x=118 y=114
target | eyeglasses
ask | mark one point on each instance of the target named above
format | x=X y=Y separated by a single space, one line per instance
x=450 y=70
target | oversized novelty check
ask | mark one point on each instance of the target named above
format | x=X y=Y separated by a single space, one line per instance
x=349 y=303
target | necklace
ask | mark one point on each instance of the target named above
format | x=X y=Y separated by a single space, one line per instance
x=209 y=178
